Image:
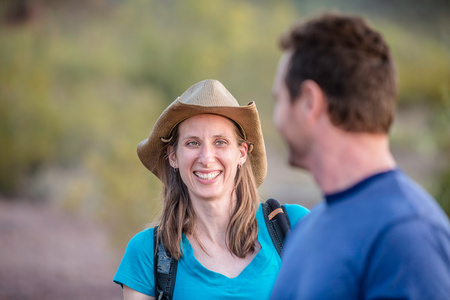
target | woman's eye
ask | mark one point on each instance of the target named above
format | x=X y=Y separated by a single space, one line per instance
x=192 y=143
x=221 y=142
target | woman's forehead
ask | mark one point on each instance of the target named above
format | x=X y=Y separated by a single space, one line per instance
x=207 y=124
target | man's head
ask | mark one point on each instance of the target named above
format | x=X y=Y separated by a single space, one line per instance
x=336 y=74
x=352 y=65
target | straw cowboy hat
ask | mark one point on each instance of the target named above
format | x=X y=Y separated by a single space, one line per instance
x=206 y=97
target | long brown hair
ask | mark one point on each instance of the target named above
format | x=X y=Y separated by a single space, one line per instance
x=178 y=215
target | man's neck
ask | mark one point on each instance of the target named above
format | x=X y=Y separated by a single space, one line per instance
x=344 y=159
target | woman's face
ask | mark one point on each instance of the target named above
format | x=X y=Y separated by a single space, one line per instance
x=207 y=156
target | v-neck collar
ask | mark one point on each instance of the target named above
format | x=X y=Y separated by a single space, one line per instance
x=252 y=270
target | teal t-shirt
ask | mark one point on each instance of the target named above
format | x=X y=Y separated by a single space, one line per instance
x=193 y=280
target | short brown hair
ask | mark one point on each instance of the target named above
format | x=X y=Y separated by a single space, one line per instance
x=351 y=63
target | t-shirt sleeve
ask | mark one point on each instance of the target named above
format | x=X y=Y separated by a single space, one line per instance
x=409 y=261
x=295 y=213
x=136 y=268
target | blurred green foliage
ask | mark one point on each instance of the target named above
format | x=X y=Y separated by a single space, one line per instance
x=25 y=87
x=441 y=129
x=81 y=85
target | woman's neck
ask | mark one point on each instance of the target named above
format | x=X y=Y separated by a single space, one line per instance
x=212 y=219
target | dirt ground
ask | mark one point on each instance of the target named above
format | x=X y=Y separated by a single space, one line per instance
x=46 y=253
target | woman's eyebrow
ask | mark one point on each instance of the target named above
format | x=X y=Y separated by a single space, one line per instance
x=191 y=137
x=197 y=138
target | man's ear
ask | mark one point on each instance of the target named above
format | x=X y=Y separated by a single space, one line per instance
x=313 y=99
x=172 y=156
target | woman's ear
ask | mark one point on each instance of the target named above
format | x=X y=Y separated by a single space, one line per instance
x=243 y=151
x=172 y=156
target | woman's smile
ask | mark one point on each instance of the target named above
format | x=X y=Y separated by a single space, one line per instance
x=207 y=175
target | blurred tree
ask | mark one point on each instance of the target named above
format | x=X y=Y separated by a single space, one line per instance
x=29 y=124
x=441 y=131
x=19 y=12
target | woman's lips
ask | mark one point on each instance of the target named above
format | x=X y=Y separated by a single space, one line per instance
x=207 y=175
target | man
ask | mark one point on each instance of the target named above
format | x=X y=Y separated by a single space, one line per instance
x=377 y=234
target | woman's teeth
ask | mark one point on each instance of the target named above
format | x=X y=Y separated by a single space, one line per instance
x=207 y=176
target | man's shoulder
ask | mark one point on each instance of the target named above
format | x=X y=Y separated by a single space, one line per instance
x=402 y=195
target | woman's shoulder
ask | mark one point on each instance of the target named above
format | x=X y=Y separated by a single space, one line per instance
x=136 y=267
x=296 y=209
x=142 y=240
x=295 y=212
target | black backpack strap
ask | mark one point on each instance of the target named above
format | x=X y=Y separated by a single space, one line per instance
x=165 y=271
x=277 y=222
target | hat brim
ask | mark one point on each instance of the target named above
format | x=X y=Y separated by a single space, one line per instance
x=246 y=117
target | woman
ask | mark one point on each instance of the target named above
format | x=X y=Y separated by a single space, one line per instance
x=209 y=154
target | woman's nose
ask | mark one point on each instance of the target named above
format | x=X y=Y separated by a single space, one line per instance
x=206 y=155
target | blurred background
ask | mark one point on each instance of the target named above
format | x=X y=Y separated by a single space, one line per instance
x=82 y=83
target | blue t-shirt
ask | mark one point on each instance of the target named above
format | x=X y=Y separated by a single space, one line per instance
x=384 y=238
x=194 y=281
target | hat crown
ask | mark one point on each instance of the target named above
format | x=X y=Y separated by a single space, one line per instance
x=208 y=92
